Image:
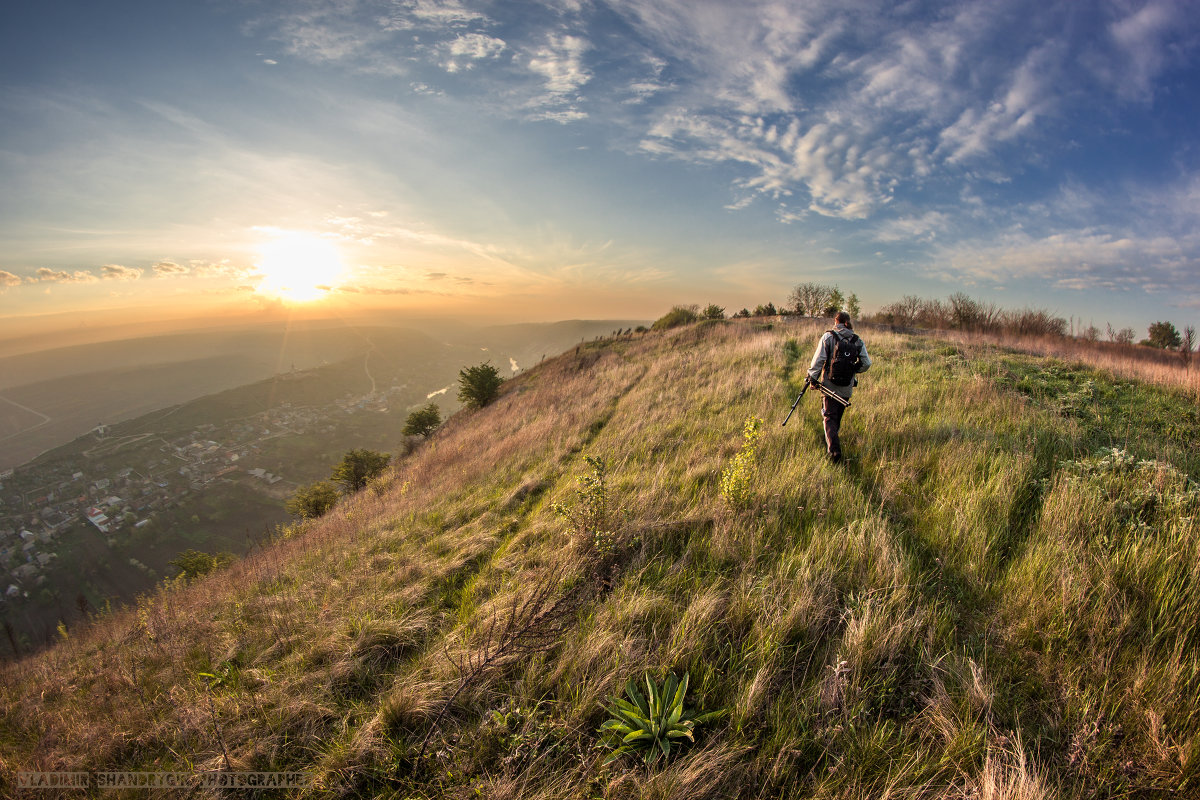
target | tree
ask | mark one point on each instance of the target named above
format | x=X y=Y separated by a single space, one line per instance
x=357 y=467
x=479 y=385
x=852 y=306
x=834 y=301
x=765 y=311
x=423 y=421
x=310 y=502
x=809 y=299
x=714 y=311
x=194 y=563
x=1165 y=336
x=1187 y=347
x=1123 y=336
x=745 y=312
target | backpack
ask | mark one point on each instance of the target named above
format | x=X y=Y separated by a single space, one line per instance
x=842 y=364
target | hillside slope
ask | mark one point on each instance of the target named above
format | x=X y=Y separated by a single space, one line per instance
x=976 y=605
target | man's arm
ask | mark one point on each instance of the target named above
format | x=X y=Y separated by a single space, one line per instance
x=818 y=360
x=864 y=360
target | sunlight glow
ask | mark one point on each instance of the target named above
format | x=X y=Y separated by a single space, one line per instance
x=299 y=267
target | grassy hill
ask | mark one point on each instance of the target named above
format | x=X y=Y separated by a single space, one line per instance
x=987 y=600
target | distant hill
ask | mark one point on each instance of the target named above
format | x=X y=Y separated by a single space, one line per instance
x=49 y=397
x=994 y=596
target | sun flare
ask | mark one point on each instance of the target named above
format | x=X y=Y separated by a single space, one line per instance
x=299 y=267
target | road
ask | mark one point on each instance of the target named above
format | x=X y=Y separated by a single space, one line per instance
x=45 y=419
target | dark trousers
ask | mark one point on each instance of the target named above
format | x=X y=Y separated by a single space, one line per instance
x=832 y=411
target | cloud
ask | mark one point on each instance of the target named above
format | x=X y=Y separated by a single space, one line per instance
x=45 y=275
x=1077 y=259
x=922 y=228
x=559 y=62
x=377 y=290
x=409 y=14
x=165 y=268
x=471 y=47
x=8 y=279
x=270 y=61
x=116 y=272
x=1143 y=40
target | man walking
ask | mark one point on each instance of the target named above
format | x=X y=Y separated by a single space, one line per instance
x=840 y=356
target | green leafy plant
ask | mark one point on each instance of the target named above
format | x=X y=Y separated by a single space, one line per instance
x=479 y=385
x=358 y=467
x=592 y=518
x=737 y=481
x=423 y=421
x=678 y=315
x=651 y=723
x=310 y=502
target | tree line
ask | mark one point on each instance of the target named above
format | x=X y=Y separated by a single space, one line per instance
x=957 y=312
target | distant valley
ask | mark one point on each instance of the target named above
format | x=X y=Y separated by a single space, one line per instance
x=185 y=461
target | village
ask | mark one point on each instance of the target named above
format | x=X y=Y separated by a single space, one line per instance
x=111 y=487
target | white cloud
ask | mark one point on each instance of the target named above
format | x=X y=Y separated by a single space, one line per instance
x=165 y=268
x=116 y=272
x=410 y=14
x=922 y=228
x=1077 y=259
x=471 y=47
x=1141 y=38
x=45 y=275
x=9 y=279
x=559 y=62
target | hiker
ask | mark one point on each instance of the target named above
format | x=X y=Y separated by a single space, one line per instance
x=840 y=355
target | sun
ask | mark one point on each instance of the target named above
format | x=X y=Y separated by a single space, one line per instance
x=298 y=267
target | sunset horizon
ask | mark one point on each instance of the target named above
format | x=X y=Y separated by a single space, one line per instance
x=597 y=159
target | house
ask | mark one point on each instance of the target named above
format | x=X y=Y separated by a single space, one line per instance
x=98 y=518
x=25 y=572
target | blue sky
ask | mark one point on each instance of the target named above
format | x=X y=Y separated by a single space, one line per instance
x=602 y=159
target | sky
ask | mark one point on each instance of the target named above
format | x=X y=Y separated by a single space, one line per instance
x=606 y=158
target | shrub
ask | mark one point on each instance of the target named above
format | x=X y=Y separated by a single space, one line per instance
x=479 y=385
x=310 y=502
x=592 y=519
x=714 y=311
x=652 y=723
x=194 y=563
x=737 y=481
x=423 y=421
x=359 y=466
x=1164 y=335
x=679 y=315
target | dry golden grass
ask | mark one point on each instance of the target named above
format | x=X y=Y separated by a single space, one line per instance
x=942 y=616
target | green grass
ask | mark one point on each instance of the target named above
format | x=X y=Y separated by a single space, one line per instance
x=975 y=604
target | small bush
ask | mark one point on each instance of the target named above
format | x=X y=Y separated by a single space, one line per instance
x=479 y=385
x=679 y=315
x=423 y=421
x=592 y=519
x=714 y=311
x=310 y=502
x=737 y=481
x=358 y=467
x=194 y=563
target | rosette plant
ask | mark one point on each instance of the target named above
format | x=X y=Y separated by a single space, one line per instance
x=652 y=723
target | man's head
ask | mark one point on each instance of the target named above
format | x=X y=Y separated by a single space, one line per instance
x=842 y=318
